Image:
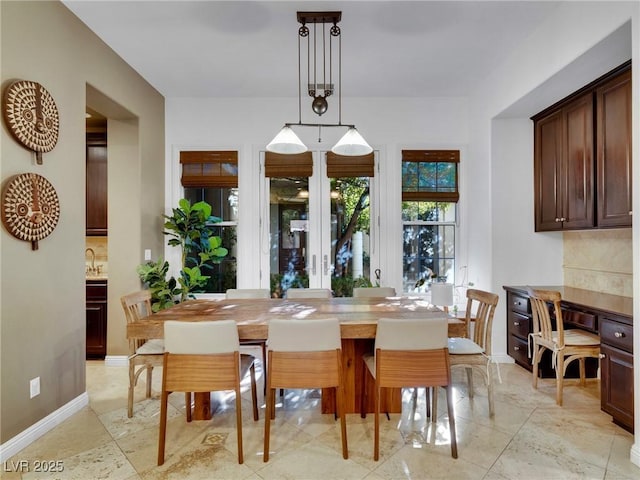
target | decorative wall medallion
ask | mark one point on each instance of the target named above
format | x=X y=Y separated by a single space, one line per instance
x=32 y=116
x=30 y=207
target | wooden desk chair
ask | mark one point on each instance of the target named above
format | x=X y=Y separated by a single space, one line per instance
x=304 y=354
x=475 y=354
x=373 y=292
x=409 y=353
x=203 y=357
x=308 y=293
x=250 y=293
x=565 y=345
x=144 y=354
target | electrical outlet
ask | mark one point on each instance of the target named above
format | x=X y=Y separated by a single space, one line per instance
x=34 y=387
x=147 y=254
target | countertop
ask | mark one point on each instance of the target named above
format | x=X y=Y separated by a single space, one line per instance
x=605 y=302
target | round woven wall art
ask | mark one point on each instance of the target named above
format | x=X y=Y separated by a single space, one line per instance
x=31 y=116
x=30 y=207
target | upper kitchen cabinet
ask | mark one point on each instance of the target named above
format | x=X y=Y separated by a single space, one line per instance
x=563 y=166
x=613 y=140
x=582 y=157
x=96 y=183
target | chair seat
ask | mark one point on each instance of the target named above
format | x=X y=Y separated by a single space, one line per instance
x=579 y=337
x=246 y=361
x=370 y=362
x=151 y=347
x=463 y=346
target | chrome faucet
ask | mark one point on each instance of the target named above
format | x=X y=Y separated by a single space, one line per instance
x=92 y=268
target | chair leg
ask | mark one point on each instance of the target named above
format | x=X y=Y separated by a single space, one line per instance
x=163 y=427
x=489 y=381
x=376 y=422
x=434 y=408
x=537 y=354
x=239 y=423
x=559 y=377
x=470 y=381
x=340 y=409
x=427 y=398
x=149 y=375
x=582 y=372
x=271 y=393
x=132 y=380
x=187 y=405
x=452 y=422
x=254 y=391
x=264 y=366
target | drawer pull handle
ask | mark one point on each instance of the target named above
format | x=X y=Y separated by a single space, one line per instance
x=602 y=355
x=517 y=324
x=618 y=334
x=516 y=348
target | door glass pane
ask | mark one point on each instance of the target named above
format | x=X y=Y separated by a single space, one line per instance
x=289 y=227
x=350 y=230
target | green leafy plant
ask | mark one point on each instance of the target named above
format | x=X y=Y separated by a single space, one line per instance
x=190 y=228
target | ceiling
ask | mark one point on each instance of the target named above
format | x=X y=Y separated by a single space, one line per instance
x=249 y=49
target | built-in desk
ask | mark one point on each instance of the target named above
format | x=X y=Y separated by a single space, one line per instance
x=611 y=316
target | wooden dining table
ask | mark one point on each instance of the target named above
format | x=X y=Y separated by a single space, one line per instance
x=358 y=318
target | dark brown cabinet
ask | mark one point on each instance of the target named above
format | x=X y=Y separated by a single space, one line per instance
x=96 y=319
x=613 y=140
x=564 y=167
x=582 y=157
x=616 y=352
x=96 y=187
x=591 y=311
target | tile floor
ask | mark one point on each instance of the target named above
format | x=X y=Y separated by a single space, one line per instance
x=529 y=438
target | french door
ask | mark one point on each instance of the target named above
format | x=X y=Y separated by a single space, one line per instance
x=322 y=231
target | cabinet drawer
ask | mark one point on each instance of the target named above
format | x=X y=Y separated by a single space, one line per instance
x=519 y=324
x=617 y=334
x=517 y=348
x=96 y=292
x=580 y=319
x=519 y=304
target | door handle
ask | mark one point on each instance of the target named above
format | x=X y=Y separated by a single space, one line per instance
x=313 y=264
x=326 y=265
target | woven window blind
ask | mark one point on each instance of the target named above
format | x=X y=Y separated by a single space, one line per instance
x=349 y=166
x=287 y=165
x=203 y=169
x=430 y=175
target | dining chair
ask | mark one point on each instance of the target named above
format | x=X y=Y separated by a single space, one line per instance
x=474 y=353
x=144 y=354
x=409 y=353
x=308 y=293
x=304 y=354
x=203 y=357
x=252 y=293
x=373 y=292
x=565 y=345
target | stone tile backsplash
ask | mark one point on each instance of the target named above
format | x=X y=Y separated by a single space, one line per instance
x=599 y=260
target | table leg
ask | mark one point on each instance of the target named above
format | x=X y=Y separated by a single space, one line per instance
x=352 y=369
x=202 y=406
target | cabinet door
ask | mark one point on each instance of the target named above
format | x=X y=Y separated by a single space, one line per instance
x=578 y=165
x=616 y=396
x=614 y=152
x=96 y=329
x=547 y=172
x=96 y=186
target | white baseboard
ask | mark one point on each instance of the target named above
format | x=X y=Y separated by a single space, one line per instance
x=635 y=453
x=35 y=431
x=116 y=361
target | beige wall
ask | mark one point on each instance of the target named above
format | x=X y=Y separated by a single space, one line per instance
x=599 y=260
x=42 y=293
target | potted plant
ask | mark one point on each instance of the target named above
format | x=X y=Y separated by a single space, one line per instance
x=189 y=227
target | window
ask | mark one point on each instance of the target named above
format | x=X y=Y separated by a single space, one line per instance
x=429 y=213
x=212 y=176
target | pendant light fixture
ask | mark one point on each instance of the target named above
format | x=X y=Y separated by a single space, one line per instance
x=319 y=42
